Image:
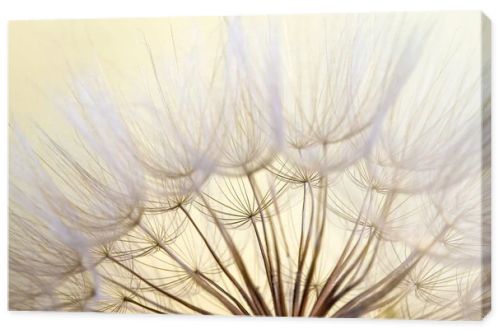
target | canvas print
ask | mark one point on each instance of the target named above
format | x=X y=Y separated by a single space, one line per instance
x=330 y=165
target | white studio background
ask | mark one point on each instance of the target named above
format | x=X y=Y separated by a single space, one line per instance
x=29 y=322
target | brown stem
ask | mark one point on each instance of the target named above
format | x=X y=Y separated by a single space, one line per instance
x=254 y=293
x=317 y=250
x=302 y=256
x=219 y=262
x=195 y=275
x=270 y=269
x=124 y=287
x=130 y=300
x=160 y=290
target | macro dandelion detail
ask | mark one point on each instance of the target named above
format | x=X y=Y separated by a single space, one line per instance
x=305 y=166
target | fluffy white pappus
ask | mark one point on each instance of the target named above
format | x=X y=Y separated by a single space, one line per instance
x=463 y=211
x=93 y=194
x=253 y=124
x=338 y=91
x=176 y=117
x=433 y=136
